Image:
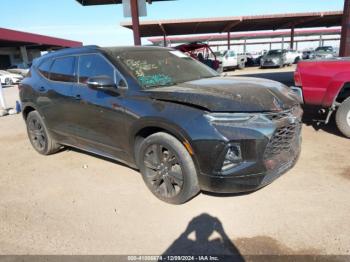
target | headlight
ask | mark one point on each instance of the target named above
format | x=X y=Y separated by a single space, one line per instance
x=228 y=117
x=276 y=60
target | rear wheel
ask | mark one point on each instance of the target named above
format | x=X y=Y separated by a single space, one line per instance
x=343 y=118
x=39 y=136
x=167 y=168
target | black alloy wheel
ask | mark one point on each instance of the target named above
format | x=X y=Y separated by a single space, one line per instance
x=163 y=170
x=37 y=134
x=167 y=168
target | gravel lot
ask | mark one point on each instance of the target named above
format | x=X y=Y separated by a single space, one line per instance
x=76 y=203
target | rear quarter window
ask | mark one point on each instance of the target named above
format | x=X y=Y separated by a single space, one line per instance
x=44 y=68
x=62 y=70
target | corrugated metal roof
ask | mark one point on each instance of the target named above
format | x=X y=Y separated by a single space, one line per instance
x=238 y=24
x=246 y=35
x=10 y=38
x=109 y=2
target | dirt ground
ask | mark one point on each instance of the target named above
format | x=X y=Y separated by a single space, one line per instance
x=76 y=203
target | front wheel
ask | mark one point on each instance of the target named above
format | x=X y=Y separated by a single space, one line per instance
x=241 y=66
x=343 y=118
x=168 y=169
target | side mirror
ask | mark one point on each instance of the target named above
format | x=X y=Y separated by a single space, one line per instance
x=102 y=83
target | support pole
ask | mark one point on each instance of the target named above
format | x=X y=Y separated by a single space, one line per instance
x=245 y=46
x=345 y=33
x=24 y=55
x=228 y=40
x=270 y=45
x=321 y=41
x=292 y=33
x=135 y=21
x=282 y=42
x=164 y=40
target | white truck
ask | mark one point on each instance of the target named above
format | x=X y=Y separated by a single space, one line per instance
x=231 y=59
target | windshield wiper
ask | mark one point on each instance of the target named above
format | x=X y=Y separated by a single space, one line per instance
x=159 y=85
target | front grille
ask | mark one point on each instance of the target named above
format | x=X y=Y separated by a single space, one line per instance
x=283 y=114
x=282 y=141
x=284 y=144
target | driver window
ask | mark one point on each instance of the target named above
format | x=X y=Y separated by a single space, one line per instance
x=92 y=66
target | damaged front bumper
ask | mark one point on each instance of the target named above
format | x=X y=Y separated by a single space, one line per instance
x=265 y=147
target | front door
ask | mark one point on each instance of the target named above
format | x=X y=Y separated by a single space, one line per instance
x=99 y=116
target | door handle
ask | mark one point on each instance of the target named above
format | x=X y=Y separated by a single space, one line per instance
x=42 y=89
x=78 y=97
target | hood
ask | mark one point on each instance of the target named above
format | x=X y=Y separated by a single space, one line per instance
x=228 y=94
x=15 y=76
x=273 y=56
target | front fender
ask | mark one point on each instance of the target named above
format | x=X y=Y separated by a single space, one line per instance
x=161 y=124
x=157 y=123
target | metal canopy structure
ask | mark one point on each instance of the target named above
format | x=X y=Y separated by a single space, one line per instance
x=345 y=34
x=135 y=22
x=245 y=36
x=12 y=38
x=109 y=2
x=238 y=24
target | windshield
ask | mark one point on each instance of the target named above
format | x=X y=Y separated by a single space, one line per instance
x=324 y=49
x=229 y=52
x=155 y=68
x=274 y=52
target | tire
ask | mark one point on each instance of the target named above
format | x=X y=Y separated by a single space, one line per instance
x=342 y=118
x=39 y=136
x=8 y=82
x=297 y=60
x=241 y=66
x=167 y=169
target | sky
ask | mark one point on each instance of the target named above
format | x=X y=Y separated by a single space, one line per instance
x=101 y=24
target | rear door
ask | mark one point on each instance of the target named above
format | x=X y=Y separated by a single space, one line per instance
x=56 y=94
x=98 y=115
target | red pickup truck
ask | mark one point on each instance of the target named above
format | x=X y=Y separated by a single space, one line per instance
x=325 y=84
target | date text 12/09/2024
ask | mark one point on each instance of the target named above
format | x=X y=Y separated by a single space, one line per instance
x=174 y=258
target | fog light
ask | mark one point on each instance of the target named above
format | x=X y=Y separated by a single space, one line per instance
x=232 y=158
